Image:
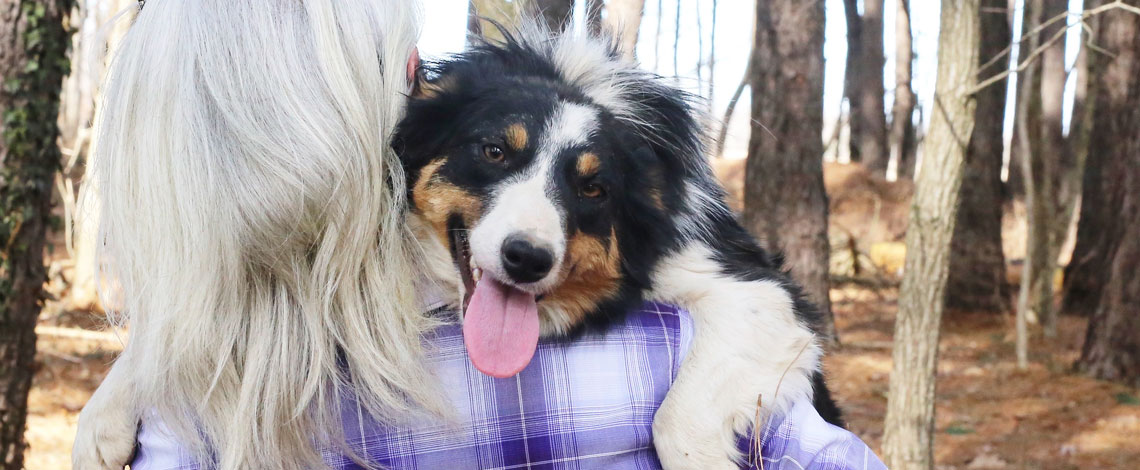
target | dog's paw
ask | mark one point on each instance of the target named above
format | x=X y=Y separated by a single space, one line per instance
x=108 y=424
x=103 y=441
x=691 y=439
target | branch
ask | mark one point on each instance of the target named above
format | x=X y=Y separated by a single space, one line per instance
x=729 y=111
x=1116 y=5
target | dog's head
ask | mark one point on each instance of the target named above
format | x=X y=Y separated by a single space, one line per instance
x=555 y=175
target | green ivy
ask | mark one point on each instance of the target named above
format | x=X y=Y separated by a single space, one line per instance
x=30 y=129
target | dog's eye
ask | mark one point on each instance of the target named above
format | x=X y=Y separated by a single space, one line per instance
x=592 y=191
x=493 y=153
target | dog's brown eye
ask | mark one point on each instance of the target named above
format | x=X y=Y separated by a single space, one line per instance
x=592 y=191
x=493 y=153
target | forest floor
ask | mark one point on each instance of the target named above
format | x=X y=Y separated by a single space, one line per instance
x=989 y=414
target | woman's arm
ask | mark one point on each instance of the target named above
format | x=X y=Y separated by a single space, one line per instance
x=802 y=440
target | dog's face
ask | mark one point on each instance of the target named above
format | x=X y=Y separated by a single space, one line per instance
x=529 y=188
x=553 y=209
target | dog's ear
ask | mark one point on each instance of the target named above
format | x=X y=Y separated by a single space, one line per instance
x=424 y=87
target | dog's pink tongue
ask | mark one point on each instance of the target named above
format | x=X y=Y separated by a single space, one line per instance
x=500 y=328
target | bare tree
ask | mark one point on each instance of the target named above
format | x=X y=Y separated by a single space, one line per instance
x=503 y=12
x=1028 y=112
x=556 y=13
x=909 y=426
x=1083 y=275
x=904 y=95
x=977 y=279
x=623 y=20
x=784 y=200
x=864 y=84
x=1112 y=343
x=594 y=10
x=33 y=62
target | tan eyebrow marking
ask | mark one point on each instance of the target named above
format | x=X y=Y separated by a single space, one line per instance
x=517 y=136
x=588 y=164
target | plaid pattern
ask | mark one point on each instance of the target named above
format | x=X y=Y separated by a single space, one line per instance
x=586 y=404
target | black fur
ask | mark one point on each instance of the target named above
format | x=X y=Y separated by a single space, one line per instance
x=658 y=151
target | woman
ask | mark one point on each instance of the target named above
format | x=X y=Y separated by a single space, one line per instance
x=243 y=170
x=252 y=220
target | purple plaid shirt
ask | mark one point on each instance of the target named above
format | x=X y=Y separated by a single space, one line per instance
x=586 y=404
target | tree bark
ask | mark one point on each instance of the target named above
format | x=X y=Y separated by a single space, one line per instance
x=1083 y=275
x=1026 y=136
x=909 y=425
x=852 y=73
x=784 y=200
x=33 y=62
x=904 y=95
x=623 y=21
x=556 y=13
x=865 y=86
x=1048 y=208
x=977 y=279
x=1112 y=344
x=500 y=11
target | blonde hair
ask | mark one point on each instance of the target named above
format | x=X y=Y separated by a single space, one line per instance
x=252 y=221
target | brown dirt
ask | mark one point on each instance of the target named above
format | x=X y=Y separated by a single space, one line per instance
x=989 y=414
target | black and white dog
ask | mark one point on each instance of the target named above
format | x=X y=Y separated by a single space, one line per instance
x=556 y=187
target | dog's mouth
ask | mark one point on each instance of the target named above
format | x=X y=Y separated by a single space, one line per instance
x=500 y=321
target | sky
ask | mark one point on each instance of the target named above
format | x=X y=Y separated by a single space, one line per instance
x=446 y=20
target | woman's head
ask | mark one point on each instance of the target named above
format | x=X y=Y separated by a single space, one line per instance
x=252 y=217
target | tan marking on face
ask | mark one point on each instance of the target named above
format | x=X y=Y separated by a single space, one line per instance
x=593 y=275
x=517 y=136
x=588 y=164
x=426 y=89
x=436 y=200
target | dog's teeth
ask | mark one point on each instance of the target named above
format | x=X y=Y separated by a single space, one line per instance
x=476 y=273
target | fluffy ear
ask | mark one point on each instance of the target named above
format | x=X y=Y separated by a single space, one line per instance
x=424 y=87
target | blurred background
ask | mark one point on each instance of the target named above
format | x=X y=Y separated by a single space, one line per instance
x=819 y=112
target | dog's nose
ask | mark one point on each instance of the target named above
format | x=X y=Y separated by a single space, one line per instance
x=525 y=261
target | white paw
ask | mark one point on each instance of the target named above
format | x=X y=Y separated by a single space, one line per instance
x=105 y=439
x=103 y=442
x=693 y=439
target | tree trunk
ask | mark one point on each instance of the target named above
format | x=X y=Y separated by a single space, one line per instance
x=556 y=13
x=504 y=12
x=594 y=16
x=904 y=95
x=852 y=73
x=872 y=117
x=909 y=424
x=977 y=264
x=784 y=200
x=33 y=62
x=1085 y=268
x=1111 y=209
x=1026 y=136
x=1048 y=207
x=623 y=21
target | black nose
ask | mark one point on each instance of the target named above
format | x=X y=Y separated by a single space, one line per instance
x=524 y=261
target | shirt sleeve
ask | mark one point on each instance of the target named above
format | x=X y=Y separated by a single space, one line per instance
x=802 y=440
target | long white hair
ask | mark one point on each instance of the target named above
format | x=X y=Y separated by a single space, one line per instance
x=252 y=221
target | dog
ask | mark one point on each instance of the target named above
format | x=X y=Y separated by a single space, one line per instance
x=557 y=187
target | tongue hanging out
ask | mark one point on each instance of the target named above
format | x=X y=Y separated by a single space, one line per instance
x=500 y=328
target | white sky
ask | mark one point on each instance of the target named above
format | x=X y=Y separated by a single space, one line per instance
x=446 y=21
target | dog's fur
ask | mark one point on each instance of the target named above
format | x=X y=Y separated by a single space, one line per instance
x=557 y=141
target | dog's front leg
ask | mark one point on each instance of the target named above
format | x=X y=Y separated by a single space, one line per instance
x=105 y=439
x=747 y=348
